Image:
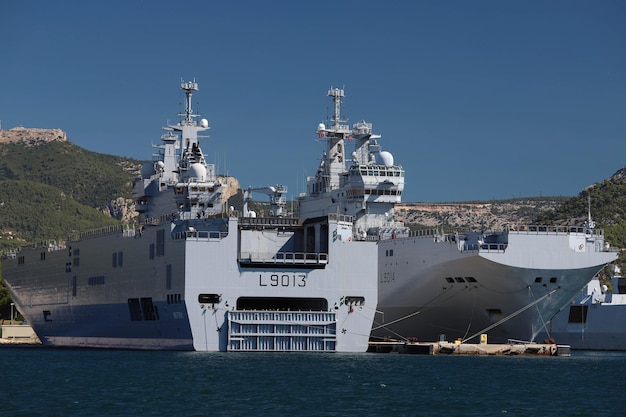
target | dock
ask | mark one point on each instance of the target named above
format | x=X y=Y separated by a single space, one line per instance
x=457 y=348
x=18 y=334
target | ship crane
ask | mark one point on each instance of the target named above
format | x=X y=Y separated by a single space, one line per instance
x=277 y=199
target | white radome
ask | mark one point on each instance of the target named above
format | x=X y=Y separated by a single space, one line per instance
x=197 y=171
x=384 y=158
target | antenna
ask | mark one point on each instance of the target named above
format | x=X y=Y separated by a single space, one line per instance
x=336 y=94
x=189 y=87
x=590 y=223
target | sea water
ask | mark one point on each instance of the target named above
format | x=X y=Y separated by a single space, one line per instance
x=77 y=382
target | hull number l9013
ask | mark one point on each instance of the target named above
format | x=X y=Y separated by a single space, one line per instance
x=283 y=280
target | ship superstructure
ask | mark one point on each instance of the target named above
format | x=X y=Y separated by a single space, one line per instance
x=196 y=275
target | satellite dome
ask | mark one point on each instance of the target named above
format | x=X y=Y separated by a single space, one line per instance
x=147 y=170
x=197 y=171
x=321 y=126
x=384 y=158
x=204 y=123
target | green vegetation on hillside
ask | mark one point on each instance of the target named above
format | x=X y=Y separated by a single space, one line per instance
x=90 y=178
x=607 y=201
x=32 y=212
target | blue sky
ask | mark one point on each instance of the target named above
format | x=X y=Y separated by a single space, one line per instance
x=476 y=99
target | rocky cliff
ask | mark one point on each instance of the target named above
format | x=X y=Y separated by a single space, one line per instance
x=32 y=136
x=490 y=215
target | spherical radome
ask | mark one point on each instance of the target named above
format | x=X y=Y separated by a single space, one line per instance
x=197 y=171
x=384 y=158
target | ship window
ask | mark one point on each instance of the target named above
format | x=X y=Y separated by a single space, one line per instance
x=160 y=243
x=152 y=251
x=76 y=261
x=76 y=252
x=68 y=267
x=173 y=298
x=621 y=285
x=168 y=277
x=450 y=280
x=354 y=300
x=538 y=280
x=47 y=315
x=96 y=280
x=134 y=309
x=120 y=259
x=149 y=310
x=42 y=256
x=459 y=279
x=74 y=285
x=114 y=260
x=470 y=279
x=553 y=280
x=209 y=298
x=21 y=260
x=577 y=314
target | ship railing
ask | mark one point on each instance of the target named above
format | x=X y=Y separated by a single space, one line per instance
x=341 y=217
x=524 y=229
x=483 y=247
x=51 y=245
x=10 y=253
x=268 y=221
x=424 y=233
x=284 y=258
x=545 y=229
x=492 y=247
x=200 y=235
x=116 y=228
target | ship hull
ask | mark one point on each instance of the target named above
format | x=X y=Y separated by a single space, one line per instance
x=604 y=328
x=432 y=289
x=188 y=291
x=596 y=318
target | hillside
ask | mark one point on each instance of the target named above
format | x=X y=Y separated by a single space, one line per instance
x=32 y=211
x=49 y=186
x=46 y=156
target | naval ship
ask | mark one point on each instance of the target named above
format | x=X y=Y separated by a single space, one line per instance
x=506 y=284
x=193 y=274
x=595 y=319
